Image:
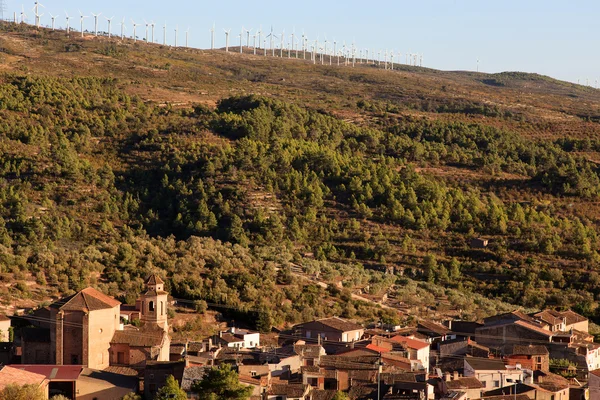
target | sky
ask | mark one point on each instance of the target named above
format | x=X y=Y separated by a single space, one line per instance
x=550 y=37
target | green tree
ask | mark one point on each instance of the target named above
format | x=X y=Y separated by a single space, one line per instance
x=221 y=383
x=171 y=390
x=340 y=396
x=132 y=396
x=25 y=392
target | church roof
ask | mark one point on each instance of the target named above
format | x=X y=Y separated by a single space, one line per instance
x=89 y=299
x=154 y=280
x=155 y=293
x=142 y=338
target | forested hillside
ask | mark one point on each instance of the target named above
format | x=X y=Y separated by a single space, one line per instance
x=278 y=189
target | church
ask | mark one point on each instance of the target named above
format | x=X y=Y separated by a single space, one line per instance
x=86 y=329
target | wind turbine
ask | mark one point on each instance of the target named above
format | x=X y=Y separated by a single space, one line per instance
x=23 y=15
x=248 y=37
x=227 y=40
x=260 y=32
x=134 y=28
x=123 y=29
x=96 y=23
x=254 y=43
x=282 y=44
x=212 y=37
x=241 y=37
x=82 y=17
x=272 y=36
x=165 y=34
x=67 y=18
x=53 y=17
x=37 y=15
x=109 y=20
x=187 y=35
x=147 y=24
x=152 y=24
x=176 y=30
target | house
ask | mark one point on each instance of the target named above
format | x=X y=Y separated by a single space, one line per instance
x=532 y=391
x=533 y=357
x=492 y=373
x=417 y=351
x=239 y=338
x=562 y=321
x=156 y=373
x=258 y=377
x=85 y=329
x=4 y=328
x=111 y=383
x=469 y=385
x=192 y=375
x=62 y=379
x=508 y=333
x=288 y=392
x=281 y=361
x=594 y=384
x=435 y=332
x=14 y=376
x=309 y=354
x=462 y=346
x=333 y=329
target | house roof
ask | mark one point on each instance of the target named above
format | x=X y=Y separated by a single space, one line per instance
x=534 y=328
x=337 y=324
x=229 y=338
x=549 y=316
x=318 y=394
x=467 y=382
x=309 y=350
x=596 y=372
x=154 y=280
x=513 y=315
x=191 y=375
x=506 y=397
x=89 y=299
x=377 y=348
x=145 y=338
x=53 y=372
x=572 y=317
x=530 y=350
x=14 y=376
x=433 y=327
x=410 y=343
x=288 y=390
x=485 y=364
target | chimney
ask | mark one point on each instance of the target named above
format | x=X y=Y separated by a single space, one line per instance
x=447 y=377
x=455 y=375
x=233 y=330
x=352 y=344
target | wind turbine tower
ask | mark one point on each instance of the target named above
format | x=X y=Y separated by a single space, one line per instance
x=68 y=18
x=36 y=9
x=109 y=20
x=165 y=34
x=96 y=23
x=212 y=37
x=53 y=17
x=123 y=29
x=227 y=40
x=82 y=17
x=176 y=30
x=152 y=24
x=134 y=27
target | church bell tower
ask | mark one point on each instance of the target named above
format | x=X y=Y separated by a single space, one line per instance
x=154 y=304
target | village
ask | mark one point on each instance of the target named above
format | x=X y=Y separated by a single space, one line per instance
x=90 y=346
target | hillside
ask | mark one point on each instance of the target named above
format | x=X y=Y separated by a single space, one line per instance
x=251 y=181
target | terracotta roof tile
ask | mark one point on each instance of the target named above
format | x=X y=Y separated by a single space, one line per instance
x=338 y=324
x=154 y=280
x=410 y=343
x=15 y=376
x=139 y=338
x=89 y=299
x=468 y=382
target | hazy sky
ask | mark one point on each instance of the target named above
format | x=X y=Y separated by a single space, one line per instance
x=551 y=37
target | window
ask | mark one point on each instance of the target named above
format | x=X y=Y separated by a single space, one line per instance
x=252 y=373
x=162 y=308
x=496 y=383
x=151 y=306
